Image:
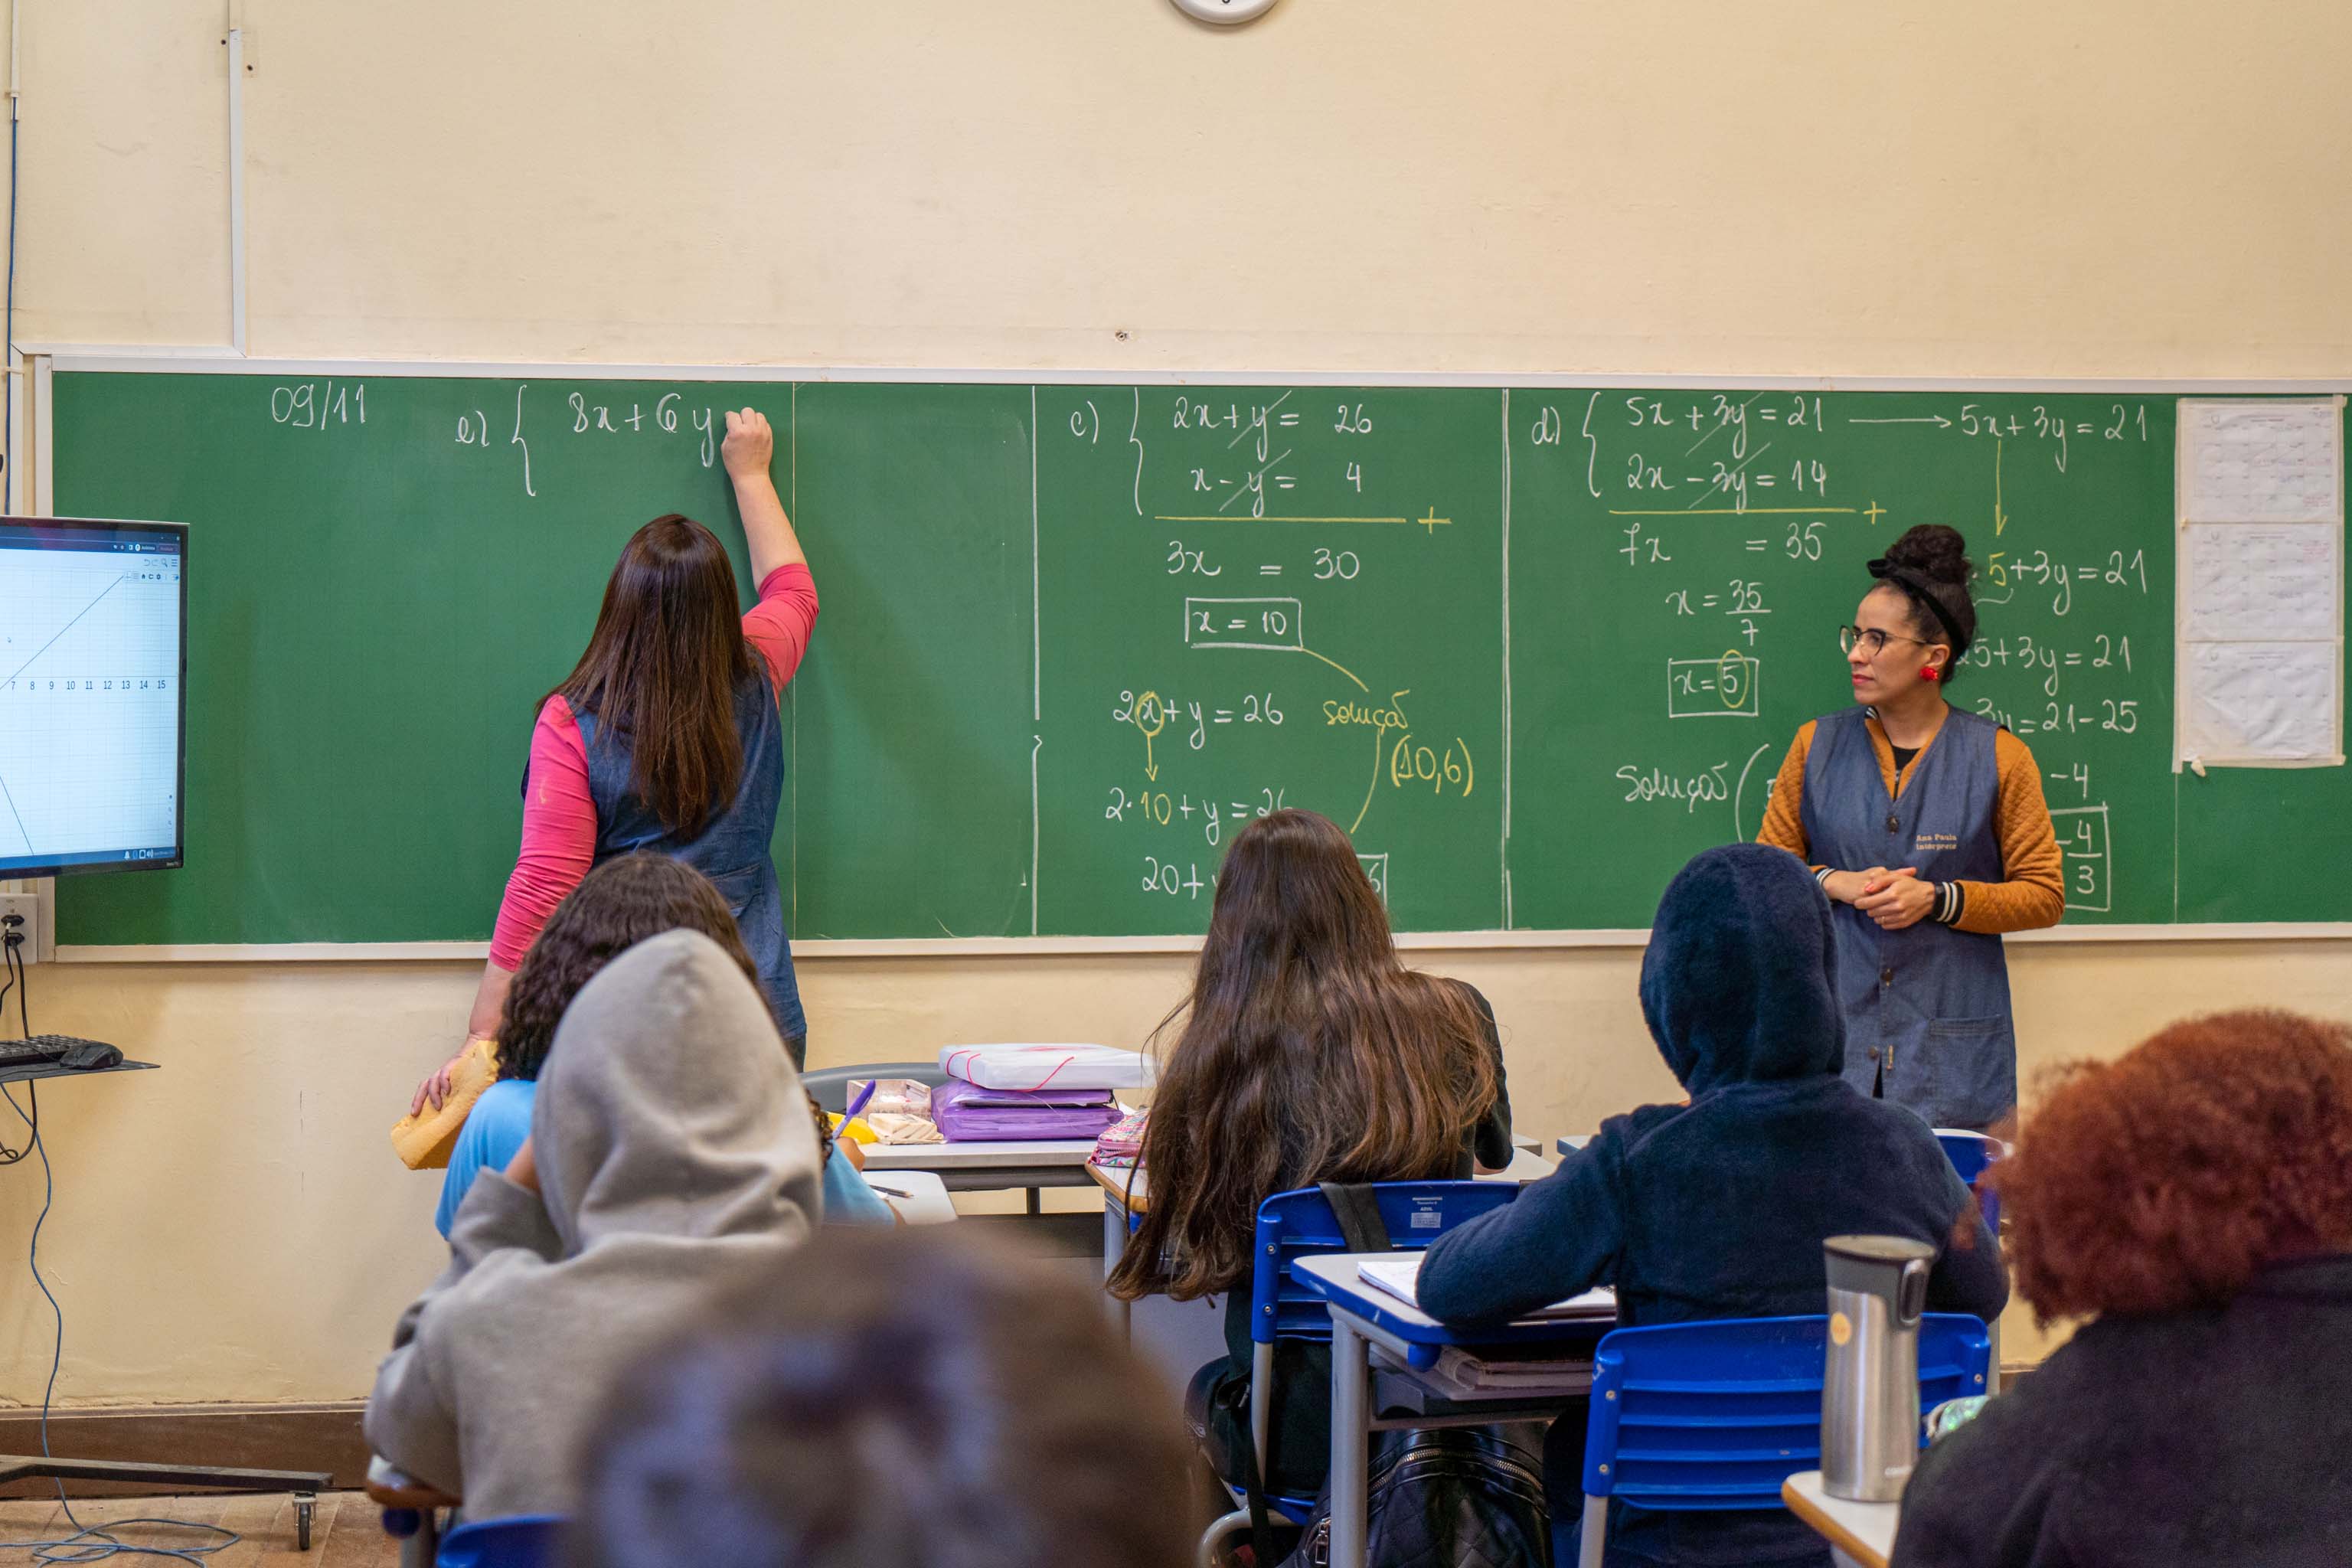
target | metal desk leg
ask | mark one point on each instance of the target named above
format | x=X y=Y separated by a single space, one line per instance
x=1350 y=1458
x=1115 y=1247
x=422 y=1549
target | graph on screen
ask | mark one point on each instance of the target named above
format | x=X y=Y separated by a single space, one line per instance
x=90 y=668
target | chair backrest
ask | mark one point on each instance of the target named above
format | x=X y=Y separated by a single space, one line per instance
x=525 y=1541
x=1295 y=1225
x=1969 y=1154
x=1717 y=1414
x=831 y=1085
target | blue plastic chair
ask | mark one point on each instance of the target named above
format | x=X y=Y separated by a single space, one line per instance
x=525 y=1541
x=1295 y=1225
x=1969 y=1154
x=1716 y=1416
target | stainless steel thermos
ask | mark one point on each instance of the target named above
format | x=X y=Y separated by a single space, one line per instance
x=1870 y=1386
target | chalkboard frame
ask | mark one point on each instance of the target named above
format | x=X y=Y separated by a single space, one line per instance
x=44 y=365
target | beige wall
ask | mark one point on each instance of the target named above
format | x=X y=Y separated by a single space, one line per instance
x=2102 y=189
x=236 y=1228
x=2111 y=187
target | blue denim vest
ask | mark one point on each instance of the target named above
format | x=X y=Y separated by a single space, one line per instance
x=732 y=847
x=1929 y=1006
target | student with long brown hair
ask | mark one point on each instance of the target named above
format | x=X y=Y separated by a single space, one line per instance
x=1309 y=1053
x=664 y=736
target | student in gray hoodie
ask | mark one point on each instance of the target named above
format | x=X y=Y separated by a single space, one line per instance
x=671 y=1156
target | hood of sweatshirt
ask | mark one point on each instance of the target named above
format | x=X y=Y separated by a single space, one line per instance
x=676 y=1161
x=668 y=1107
x=1739 y=984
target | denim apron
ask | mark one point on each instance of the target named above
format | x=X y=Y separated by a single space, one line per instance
x=732 y=847
x=1926 y=1007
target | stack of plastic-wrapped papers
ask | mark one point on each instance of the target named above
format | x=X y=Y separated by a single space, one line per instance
x=1007 y=1092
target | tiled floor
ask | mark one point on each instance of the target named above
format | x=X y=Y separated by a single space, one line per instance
x=346 y=1531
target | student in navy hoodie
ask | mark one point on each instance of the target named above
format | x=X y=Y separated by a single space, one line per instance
x=1718 y=1208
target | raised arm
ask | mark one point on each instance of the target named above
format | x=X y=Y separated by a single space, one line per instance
x=748 y=450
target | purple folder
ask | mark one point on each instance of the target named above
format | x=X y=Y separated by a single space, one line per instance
x=967 y=1114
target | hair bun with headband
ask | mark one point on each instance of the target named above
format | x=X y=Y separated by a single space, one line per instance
x=1930 y=565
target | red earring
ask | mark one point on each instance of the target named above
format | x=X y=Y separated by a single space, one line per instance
x=1930 y=672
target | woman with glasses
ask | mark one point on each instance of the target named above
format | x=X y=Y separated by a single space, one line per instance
x=1926 y=827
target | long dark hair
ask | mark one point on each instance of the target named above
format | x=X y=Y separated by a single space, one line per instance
x=902 y=1397
x=1929 y=567
x=662 y=670
x=621 y=903
x=1309 y=1053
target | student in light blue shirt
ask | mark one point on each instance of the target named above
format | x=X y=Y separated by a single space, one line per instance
x=501 y=1121
x=619 y=904
x=848 y=1199
x=494 y=1130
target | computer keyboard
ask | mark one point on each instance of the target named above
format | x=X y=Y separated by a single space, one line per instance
x=48 y=1050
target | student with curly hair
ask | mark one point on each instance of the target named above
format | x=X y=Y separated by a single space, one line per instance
x=2194 y=1199
x=616 y=906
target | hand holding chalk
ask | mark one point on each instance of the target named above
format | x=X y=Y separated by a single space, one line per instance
x=750 y=444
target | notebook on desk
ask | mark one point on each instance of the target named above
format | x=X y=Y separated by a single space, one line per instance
x=1399 y=1278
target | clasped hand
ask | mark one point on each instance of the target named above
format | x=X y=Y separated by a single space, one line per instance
x=1894 y=899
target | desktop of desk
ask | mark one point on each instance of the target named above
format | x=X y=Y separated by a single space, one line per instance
x=978 y=1167
x=1859 y=1534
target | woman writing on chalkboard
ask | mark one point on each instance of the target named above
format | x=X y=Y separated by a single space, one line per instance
x=664 y=736
x=1926 y=827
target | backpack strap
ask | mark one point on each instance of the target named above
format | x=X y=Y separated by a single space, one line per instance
x=1229 y=1399
x=1358 y=1210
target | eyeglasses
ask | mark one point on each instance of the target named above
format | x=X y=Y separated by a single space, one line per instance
x=1870 y=640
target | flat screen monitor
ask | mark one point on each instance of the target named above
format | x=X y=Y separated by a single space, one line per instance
x=93 y=660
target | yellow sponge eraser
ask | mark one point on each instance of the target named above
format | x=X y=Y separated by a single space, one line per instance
x=424 y=1140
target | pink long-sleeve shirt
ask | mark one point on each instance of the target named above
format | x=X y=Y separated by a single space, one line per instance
x=558 y=814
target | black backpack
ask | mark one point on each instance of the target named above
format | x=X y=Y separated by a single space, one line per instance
x=1452 y=1497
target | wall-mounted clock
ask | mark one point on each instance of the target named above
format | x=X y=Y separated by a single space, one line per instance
x=1226 y=13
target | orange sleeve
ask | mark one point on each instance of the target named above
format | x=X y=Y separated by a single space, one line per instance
x=1784 y=808
x=2032 y=891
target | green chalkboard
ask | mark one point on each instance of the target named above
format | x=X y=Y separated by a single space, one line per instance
x=1712 y=542
x=1532 y=647
x=1254 y=599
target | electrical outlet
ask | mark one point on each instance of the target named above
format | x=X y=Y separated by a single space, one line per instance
x=27 y=907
